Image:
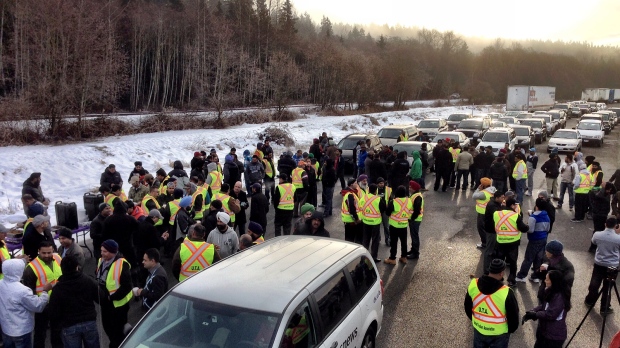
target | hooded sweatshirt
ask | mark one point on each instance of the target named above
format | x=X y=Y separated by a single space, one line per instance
x=306 y=228
x=416 y=166
x=227 y=241
x=498 y=171
x=579 y=159
x=540 y=224
x=17 y=303
x=577 y=180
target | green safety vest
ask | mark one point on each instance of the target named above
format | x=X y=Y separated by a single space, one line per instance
x=514 y=171
x=113 y=280
x=585 y=185
x=287 y=196
x=4 y=255
x=195 y=256
x=419 y=218
x=506 y=226
x=344 y=208
x=45 y=274
x=371 y=215
x=481 y=204
x=403 y=208
x=145 y=200
x=488 y=312
x=224 y=198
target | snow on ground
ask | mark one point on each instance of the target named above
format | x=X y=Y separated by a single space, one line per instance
x=69 y=171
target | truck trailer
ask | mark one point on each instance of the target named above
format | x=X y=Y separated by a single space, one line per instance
x=530 y=98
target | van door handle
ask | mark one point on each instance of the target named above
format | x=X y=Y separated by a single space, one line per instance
x=334 y=345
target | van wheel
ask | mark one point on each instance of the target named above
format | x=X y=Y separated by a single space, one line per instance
x=369 y=339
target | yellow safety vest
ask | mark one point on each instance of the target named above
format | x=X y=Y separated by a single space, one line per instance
x=514 y=171
x=419 y=218
x=590 y=168
x=371 y=215
x=195 y=256
x=260 y=154
x=316 y=169
x=585 y=184
x=224 y=198
x=174 y=209
x=506 y=226
x=296 y=178
x=594 y=177
x=481 y=204
x=403 y=208
x=297 y=333
x=216 y=182
x=268 y=168
x=403 y=137
x=199 y=213
x=109 y=200
x=145 y=200
x=388 y=194
x=287 y=196
x=162 y=187
x=455 y=153
x=113 y=280
x=45 y=274
x=345 y=214
x=4 y=255
x=28 y=223
x=258 y=240
x=488 y=311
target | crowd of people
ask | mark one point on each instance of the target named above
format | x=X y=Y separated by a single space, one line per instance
x=199 y=217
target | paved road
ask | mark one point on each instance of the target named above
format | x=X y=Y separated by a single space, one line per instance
x=424 y=299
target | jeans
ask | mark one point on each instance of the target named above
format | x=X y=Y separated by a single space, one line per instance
x=599 y=273
x=533 y=256
x=414 y=232
x=481 y=231
x=464 y=173
x=482 y=341
x=571 y=196
x=329 y=198
x=396 y=234
x=385 y=221
x=520 y=190
x=509 y=252
x=24 y=341
x=552 y=186
x=86 y=332
x=423 y=178
x=473 y=177
x=452 y=177
x=300 y=199
x=530 y=178
x=371 y=239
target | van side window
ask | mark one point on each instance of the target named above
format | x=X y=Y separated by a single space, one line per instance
x=364 y=276
x=300 y=331
x=334 y=301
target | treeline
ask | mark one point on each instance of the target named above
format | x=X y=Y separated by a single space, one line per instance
x=60 y=57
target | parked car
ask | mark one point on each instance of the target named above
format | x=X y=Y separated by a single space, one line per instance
x=597 y=117
x=454 y=120
x=575 y=111
x=615 y=115
x=585 y=108
x=607 y=125
x=349 y=143
x=498 y=137
x=453 y=136
x=508 y=120
x=432 y=126
x=591 y=132
x=474 y=128
x=523 y=115
x=389 y=134
x=288 y=291
x=559 y=116
x=525 y=135
x=593 y=106
x=565 y=140
x=410 y=146
x=562 y=106
x=601 y=106
x=538 y=126
x=552 y=125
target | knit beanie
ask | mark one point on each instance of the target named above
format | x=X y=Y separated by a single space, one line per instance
x=554 y=247
x=497 y=266
x=110 y=245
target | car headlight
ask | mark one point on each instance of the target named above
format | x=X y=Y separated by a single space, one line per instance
x=598 y=136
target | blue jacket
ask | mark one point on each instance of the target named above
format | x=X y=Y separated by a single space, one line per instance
x=361 y=158
x=539 y=225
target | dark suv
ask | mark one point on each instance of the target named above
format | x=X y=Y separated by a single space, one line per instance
x=348 y=144
x=454 y=120
x=474 y=128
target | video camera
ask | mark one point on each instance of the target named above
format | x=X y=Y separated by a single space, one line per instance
x=612 y=273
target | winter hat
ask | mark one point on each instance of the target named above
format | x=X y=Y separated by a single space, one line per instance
x=306 y=208
x=110 y=245
x=137 y=163
x=178 y=193
x=223 y=217
x=229 y=159
x=197 y=154
x=414 y=185
x=497 y=266
x=379 y=179
x=510 y=202
x=256 y=186
x=554 y=247
x=304 y=155
x=130 y=204
x=34 y=176
x=115 y=188
x=155 y=213
x=502 y=151
x=509 y=194
x=544 y=194
x=283 y=176
x=111 y=165
x=185 y=201
x=212 y=151
x=351 y=182
x=582 y=166
x=486 y=182
x=362 y=178
x=65 y=232
x=39 y=220
x=170 y=184
x=36 y=209
x=590 y=158
x=554 y=151
x=255 y=228
x=500 y=155
x=540 y=203
x=102 y=206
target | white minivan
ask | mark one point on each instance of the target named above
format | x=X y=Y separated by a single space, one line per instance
x=290 y=291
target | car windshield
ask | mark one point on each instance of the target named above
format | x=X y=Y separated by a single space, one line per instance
x=408 y=148
x=555 y=116
x=507 y=120
x=389 y=133
x=348 y=143
x=575 y=109
x=532 y=123
x=470 y=124
x=457 y=117
x=444 y=136
x=498 y=124
x=565 y=135
x=428 y=124
x=561 y=106
x=522 y=131
x=496 y=137
x=544 y=117
x=512 y=113
x=589 y=126
x=189 y=322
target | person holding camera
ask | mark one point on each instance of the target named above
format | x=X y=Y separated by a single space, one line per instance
x=606 y=260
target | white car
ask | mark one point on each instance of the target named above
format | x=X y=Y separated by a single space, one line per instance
x=591 y=132
x=568 y=140
x=409 y=146
x=453 y=136
x=496 y=138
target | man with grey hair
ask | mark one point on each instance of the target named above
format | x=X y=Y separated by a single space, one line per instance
x=36 y=233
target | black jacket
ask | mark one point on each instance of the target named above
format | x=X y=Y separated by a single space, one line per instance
x=155 y=287
x=398 y=174
x=73 y=299
x=108 y=178
x=34 y=191
x=376 y=169
x=306 y=228
x=488 y=285
x=146 y=237
x=241 y=217
x=498 y=171
x=329 y=174
x=209 y=221
x=286 y=165
x=551 y=168
x=96 y=228
x=259 y=209
x=599 y=201
x=141 y=172
x=489 y=224
x=443 y=161
x=196 y=163
x=32 y=239
x=178 y=170
x=232 y=173
x=121 y=227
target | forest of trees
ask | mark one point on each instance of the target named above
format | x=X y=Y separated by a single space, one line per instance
x=61 y=57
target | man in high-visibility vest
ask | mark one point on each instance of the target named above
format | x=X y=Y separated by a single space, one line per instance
x=519 y=174
x=402 y=137
x=482 y=196
x=194 y=254
x=284 y=202
x=400 y=209
x=196 y=192
x=270 y=174
x=214 y=178
x=115 y=193
x=582 y=186
x=42 y=270
x=350 y=213
x=385 y=192
x=230 y=205
x=508 y=228
x=256 y=232
x=493 y=205
x=113 y=273
x=372 y=208
x=299 y=179
x=492 y=308
x=454 y=151
x=596 y=182
x=4 y=251
x=417 y=200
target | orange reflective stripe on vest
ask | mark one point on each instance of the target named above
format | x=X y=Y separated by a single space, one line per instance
x=369 y=210
x=197 y=255
x=495 y=316
x=504 y=226
x=288 y=197
x=116 y=269
x=404 y=213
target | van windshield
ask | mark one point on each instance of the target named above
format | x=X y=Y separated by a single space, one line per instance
x=496 y=137
x=428 y=124
x=178 y=321
x=457 y=117
x=348 y=143
x=389 y=133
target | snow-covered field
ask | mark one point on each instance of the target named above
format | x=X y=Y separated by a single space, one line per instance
x=68 y=171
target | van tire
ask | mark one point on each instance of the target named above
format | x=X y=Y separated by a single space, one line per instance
x=369 y=338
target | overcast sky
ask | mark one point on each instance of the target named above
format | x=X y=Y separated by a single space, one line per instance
x=595 y=21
